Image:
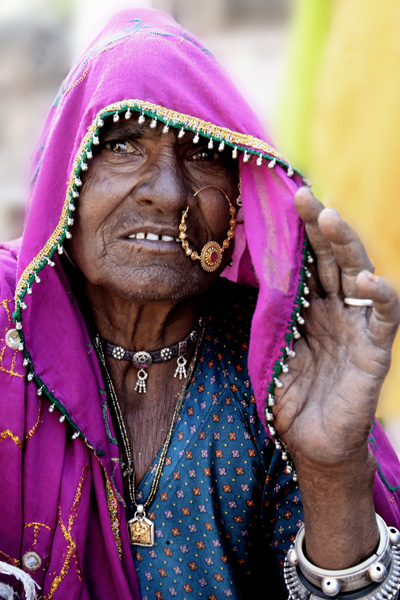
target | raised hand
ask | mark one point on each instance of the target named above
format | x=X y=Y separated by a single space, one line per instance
x=326 y=406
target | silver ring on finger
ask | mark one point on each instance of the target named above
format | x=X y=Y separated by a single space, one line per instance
x=358 y=302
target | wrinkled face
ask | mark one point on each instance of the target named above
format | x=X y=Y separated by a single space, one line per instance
x=130 y=207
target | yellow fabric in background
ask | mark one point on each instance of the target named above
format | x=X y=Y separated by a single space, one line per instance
x=347 y=133
x=311 y=22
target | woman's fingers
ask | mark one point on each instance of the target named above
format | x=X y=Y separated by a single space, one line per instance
x=385 y=318
x=339 y=251
x=347 y=247
x=309 y=209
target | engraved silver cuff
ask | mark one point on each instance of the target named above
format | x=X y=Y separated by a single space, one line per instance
x=378 y=576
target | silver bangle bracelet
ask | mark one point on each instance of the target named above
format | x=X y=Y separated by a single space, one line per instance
x=377 y=578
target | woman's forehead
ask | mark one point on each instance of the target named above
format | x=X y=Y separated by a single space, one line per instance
x=133 y=129
x=149 y=129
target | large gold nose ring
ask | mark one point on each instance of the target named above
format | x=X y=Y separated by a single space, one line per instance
x=210 y=256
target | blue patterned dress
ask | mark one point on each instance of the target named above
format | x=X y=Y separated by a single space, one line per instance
x=225 y=511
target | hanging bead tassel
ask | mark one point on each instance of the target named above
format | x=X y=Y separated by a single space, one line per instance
x=180 y=369
x=296 y=333
x=141 y=381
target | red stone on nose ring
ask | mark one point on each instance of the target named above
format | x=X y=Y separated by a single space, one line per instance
x=211 y=254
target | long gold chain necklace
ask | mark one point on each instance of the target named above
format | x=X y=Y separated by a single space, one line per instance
x=141 y=528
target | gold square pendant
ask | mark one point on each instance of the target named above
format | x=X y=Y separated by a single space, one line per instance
x=141 y=530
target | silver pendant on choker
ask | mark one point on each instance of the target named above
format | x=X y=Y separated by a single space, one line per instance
x=141 y=360
x=141 y=381
x=180 y=369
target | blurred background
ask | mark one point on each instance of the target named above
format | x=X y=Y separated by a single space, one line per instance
x=323 y=75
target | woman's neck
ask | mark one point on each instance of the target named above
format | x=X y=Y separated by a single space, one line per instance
x=137 y=324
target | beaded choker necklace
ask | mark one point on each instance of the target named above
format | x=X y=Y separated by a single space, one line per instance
x=143 y=359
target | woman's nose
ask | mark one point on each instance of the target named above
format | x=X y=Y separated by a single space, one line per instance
x=163 y=187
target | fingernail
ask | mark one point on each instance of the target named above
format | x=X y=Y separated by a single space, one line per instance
x=372 y=277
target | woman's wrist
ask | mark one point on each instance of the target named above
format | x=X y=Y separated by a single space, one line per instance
x=339 y=514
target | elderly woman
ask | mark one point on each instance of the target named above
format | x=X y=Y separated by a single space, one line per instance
x=166 y=430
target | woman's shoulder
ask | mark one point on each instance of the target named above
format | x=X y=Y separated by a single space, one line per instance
x=233 y=304
x=231 y=309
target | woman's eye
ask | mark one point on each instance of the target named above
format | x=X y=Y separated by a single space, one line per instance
x=120 y=147
x=205 y=155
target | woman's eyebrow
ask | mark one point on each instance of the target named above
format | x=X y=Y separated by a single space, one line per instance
x=131 y=130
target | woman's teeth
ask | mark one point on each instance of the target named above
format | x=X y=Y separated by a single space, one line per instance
x=153 y=237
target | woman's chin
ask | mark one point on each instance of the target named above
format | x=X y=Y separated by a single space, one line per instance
x=154 y=282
